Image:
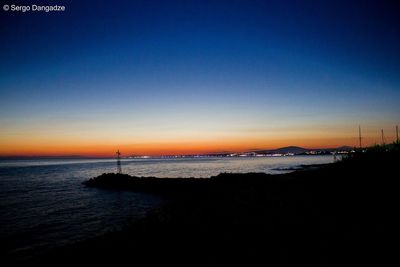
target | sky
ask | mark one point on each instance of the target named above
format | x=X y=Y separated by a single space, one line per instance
x=192 y=77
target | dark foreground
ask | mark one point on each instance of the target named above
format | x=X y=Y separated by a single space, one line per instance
x=337 y=214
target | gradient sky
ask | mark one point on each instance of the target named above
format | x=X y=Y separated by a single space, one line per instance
x=183 y=77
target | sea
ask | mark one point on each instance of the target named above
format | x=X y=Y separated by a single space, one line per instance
x=44 y=205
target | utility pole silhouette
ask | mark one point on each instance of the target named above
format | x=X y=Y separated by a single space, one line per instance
x=359 y=135
x=119 y=170
x=397 y=133
x=383 y=137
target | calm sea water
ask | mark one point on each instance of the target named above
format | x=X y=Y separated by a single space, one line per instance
x=43 y=203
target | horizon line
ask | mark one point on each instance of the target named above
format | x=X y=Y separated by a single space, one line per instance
x=105 y=156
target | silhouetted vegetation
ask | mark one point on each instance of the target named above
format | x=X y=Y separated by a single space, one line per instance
x=333 y=215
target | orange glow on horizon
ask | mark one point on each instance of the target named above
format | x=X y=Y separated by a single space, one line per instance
x=168 y=148
x=156 y=143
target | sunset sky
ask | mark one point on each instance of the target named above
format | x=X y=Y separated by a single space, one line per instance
x=187 y=77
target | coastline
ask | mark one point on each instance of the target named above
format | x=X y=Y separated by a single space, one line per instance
x=317 y=216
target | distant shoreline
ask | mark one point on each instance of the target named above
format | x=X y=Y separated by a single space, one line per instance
x=283 y=151
x=144 y=158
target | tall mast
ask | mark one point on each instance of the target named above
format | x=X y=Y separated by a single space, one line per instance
x=359 y=135
x=119 y=170
x=397 y=133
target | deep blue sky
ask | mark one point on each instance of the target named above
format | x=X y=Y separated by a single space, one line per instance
x=139 y=71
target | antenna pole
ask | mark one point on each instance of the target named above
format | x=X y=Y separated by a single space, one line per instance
x=119 y=169
x=359 y=135
x=397 y=133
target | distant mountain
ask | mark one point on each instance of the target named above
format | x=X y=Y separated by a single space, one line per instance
x=301 y=150
x=284 y=150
